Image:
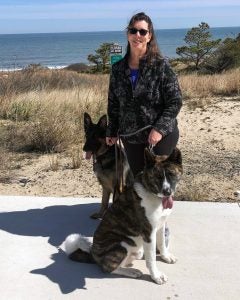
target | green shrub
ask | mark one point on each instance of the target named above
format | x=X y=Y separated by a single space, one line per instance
x=226 y=57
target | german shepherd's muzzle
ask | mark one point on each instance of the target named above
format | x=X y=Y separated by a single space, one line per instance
x=104 y=161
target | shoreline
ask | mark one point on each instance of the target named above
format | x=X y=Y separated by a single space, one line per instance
x=10 y=70
x=57 y=50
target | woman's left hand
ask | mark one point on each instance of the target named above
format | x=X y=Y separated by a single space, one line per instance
x=154 y=137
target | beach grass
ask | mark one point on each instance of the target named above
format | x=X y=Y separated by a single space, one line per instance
x=200 y=86
x=43 y=110
x=41 y=117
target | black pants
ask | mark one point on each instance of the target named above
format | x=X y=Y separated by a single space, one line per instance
x=135 y=152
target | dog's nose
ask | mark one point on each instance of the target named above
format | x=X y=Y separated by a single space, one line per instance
x=166 y=191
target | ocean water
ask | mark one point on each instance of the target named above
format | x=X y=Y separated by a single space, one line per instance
x=57 y=50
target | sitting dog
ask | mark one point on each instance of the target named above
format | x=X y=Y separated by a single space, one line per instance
x=104 y=161
x=135 y=223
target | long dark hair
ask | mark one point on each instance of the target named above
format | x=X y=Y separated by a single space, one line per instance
x=153 y=50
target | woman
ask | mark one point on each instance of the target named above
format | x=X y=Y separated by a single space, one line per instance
x=144 y=97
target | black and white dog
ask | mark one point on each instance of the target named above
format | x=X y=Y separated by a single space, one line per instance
x=135 y=223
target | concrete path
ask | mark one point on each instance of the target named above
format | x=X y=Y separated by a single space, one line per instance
x=204 y=236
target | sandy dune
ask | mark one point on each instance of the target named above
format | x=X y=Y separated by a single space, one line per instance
x=210 y=143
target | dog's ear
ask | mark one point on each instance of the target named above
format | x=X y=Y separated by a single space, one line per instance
x=149 y=158
x=87 y=121
x=103 y=122
x=176 y=157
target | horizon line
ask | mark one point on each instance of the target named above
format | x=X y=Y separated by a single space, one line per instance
x=59 y=32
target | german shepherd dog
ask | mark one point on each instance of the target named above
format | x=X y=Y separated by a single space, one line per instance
x=135 y=223
x=104 y=161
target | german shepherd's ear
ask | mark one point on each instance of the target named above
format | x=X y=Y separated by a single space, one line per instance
x=103 y=122
x=176 y=157
x=149 y=158
x=87 y=121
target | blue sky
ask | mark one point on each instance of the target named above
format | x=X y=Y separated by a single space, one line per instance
x=26 y=16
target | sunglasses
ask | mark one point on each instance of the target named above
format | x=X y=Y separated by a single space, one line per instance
x=142 y=32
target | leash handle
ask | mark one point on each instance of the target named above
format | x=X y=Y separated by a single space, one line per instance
x=135 y=132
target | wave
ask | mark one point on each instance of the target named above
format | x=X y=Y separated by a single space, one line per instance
x=20 y=69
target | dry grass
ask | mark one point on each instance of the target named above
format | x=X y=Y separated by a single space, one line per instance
x=43 y=110
x=54 y=162
x=38 y=80
x=76 y=158
x=201 y=86
x=51 y=120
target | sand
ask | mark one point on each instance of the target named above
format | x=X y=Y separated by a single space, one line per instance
x=210 y=145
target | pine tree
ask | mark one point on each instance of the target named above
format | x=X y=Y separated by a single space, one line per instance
x=199 y=43
x=101 y=58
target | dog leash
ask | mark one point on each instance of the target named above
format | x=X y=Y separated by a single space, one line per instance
x=135 y=132
x=119 y=158
x=119 y=168
x=150 y=146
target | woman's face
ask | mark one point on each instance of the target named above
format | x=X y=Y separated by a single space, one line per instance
x=136 y=40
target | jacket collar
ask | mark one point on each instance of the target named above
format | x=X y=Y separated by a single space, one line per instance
x=142 y=66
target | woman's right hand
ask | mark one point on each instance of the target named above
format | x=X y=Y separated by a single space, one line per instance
x=111 y=140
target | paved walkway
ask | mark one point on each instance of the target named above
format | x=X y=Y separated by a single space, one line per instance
x=204 y=236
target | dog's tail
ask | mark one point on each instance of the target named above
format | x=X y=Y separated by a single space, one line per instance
x=78 y=248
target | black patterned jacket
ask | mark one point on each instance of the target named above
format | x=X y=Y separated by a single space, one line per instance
x=156 y=99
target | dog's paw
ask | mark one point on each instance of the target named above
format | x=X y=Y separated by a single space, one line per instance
x=160 y=278
x=140 y=254
x=169 y=258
